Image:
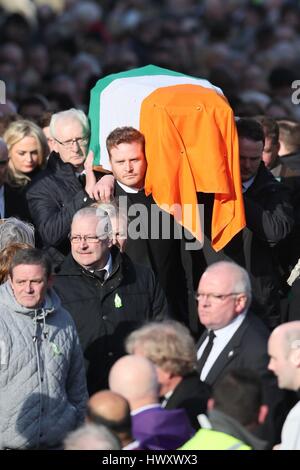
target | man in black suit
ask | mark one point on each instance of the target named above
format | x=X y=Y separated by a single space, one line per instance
x=171 y=348
x=12 y=203
x=234 y=337
x=153 y=236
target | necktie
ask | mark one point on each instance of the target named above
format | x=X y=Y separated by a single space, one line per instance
x=206 y=352
x=82 y=179
x=100 y=275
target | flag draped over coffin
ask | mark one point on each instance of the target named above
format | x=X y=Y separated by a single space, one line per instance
x=191 y=142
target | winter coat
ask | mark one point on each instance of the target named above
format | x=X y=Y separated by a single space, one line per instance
x=42 y=380
x=53 y=197
x=104 y=314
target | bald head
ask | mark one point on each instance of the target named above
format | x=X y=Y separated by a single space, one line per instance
x=284 y=352
x=108 y=405
x=135 y=378
x=288 y=336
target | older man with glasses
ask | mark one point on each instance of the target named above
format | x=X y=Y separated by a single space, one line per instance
x=107 y=294
x=234 y=337
x=65 y=186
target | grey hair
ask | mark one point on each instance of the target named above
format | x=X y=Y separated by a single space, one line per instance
x=104 y=227
x=92 y=437
x=115 y=214
x=240 y=278
x=68 y=115
x=167 y=344
x=14 y=230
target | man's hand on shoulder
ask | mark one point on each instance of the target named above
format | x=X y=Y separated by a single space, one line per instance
x=104 y=189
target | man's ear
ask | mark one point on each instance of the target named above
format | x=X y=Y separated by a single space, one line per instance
x=210 y=404
x=262 y=413
x=295 y=357
x=241 y=302
x=50 y=281
x=55 y=145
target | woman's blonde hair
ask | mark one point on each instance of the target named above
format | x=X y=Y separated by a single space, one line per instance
x=16 y=131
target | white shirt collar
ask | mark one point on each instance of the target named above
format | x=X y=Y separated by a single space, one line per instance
x=222 y=338
x=246 y=184
x=145 y=408
x=107 y=268
x=127 y=189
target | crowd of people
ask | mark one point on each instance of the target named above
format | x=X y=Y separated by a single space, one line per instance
x=113 y=335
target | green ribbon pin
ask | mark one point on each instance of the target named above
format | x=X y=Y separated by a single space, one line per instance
x=55 y=349
x=118 y=301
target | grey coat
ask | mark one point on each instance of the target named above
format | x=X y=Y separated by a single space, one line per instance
x=42 y=380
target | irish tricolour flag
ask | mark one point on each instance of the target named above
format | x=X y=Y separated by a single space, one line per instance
x=191 y=142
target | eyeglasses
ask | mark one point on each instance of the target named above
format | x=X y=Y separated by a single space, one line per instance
x=69 y=143
x=214 y=297
x=87 y=238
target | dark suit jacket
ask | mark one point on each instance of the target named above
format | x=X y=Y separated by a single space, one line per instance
x=248 y=348
x=162 y=254
x=191 y=394
x=15 y=203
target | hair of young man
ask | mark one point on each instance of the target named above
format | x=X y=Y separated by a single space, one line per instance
x=239 y=395
x=250 y=129
x=270 y=128
x=124 y=135
x=31 y=256
x=289 y=134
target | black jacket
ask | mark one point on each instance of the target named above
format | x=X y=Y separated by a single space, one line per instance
x=269 y=219
x=248 y=348
x=54 y=196
x=192 y=395
x=105 y=314
x=15 y=203
x=156 y=247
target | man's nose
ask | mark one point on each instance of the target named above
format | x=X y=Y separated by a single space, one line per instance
x=28 y=286
x=83 y=241
x=128 y=166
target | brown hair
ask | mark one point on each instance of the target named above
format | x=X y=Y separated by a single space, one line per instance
x=270 y=128
x=6 y=255
x=124 y=135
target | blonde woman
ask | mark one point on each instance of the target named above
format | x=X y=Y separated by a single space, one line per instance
x=27 y=151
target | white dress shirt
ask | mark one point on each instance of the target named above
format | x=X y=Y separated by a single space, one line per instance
x=127 y=189
x=107 y=268
x=246 y=184
x=223 y=336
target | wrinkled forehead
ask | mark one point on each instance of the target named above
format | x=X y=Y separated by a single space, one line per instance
x=68 y=128
x=90 y=225
x=216 y=281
